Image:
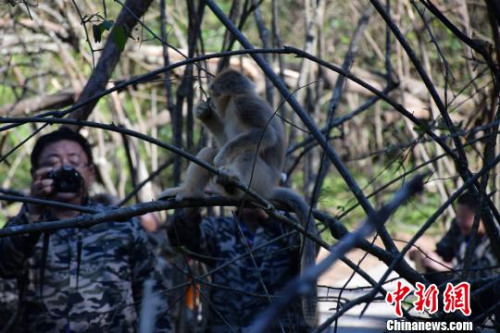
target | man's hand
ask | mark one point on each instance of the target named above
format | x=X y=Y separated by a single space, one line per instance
x=41 y=187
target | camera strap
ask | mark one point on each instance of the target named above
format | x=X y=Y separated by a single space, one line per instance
x=43 y=263
x=78 y=256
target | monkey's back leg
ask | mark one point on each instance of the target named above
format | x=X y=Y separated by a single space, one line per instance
x=254 y=140
x=252 y=171
x=196 y=177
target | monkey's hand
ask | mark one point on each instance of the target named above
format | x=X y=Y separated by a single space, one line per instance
x=204 y=110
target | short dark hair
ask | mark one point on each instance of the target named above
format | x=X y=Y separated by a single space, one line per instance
x=468 y=199
x=60 y=134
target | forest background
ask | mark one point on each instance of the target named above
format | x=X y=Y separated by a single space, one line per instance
x=396 y=88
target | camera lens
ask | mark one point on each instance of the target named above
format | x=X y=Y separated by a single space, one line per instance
x=66 y=179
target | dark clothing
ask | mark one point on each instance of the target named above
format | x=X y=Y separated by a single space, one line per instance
x=453 y=248
x=83 y=279
x=249 y=268
x=449 y=246
x=8 y=301
x=483 y=273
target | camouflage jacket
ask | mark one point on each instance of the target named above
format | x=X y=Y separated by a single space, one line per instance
x=248 y=268
x=8 y=301
x=453 y=247
x=483 y=263
x=83 y=279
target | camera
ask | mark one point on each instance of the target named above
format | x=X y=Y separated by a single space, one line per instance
x=66 y=179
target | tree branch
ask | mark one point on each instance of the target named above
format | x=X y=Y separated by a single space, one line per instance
x=110 y=56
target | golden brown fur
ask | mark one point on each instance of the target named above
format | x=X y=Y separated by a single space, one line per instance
x=251 y=149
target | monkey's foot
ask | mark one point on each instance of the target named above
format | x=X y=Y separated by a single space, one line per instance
x=169 y=193
x=189 y=193
x=181 y=193
x=226 y=179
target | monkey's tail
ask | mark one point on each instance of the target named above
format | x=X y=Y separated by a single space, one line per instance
x=309 y=248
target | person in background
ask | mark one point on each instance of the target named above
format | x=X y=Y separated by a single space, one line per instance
x=251 y=256
x=77 y=279
x=448 y=262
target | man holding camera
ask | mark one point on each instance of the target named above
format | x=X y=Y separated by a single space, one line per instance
x=77 y=279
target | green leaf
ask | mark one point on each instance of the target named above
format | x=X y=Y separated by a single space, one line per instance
x=96 y=29
x=107 y=25
x=120 y=37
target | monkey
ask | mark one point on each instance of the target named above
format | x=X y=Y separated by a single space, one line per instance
x=251 y=149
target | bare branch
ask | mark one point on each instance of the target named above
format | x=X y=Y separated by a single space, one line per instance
x=303 y=285
x=110 y=56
